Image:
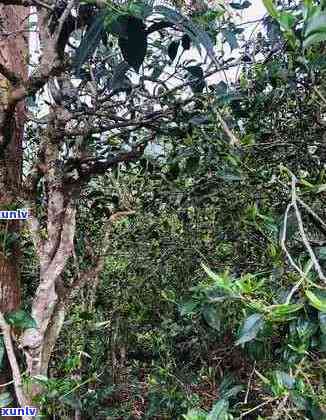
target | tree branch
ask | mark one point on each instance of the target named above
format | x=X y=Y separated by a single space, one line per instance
x=21 y=397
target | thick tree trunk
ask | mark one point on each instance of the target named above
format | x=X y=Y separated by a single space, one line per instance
x=13 y=54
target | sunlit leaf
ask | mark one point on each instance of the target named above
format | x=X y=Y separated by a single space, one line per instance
x=270 y=7
x=284 y=311
x=317 y=299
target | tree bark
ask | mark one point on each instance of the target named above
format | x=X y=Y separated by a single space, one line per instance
x=13 y=54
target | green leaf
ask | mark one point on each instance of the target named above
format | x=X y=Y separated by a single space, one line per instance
x=212 y=315
x=231 y=39
x=270 y=7
x=5 y=399
x=286 y=20
x=315 y=31
x=252 y=325
x=219 y=411
x=240 y=5
x=315 y=38
x=195 y=414
x=195 y=71
x=134 y=46
x=188 y=308
x=173 y=49
x=186 y=42
x=89 y=42
x=20 y=319
x=316 y=24
x=284 y=311
x=317 y=299
x=284 y=379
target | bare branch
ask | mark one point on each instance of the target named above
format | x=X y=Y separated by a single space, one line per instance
x=302 y=232
x=21 y=397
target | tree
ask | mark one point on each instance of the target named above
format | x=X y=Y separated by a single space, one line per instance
x=14 y=51
x=102 y=113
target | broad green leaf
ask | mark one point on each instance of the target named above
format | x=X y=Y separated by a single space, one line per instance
x=283 y=311
x=212 y=315
x=317 y=299
x=286 y=20
x=5 y=399
x=270 y=7
x=195 y=71
x=252 y=325
x=89 y=42
x=186 y=42
x=20 y=319
x=173 y=49
x=314 y=39
x=134 y=46
x=315 y=31
x=241 y=5
x=188 y=308
x=231 y=39
x=316 y=24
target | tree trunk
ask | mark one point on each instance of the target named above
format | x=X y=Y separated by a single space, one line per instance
x=13 y=54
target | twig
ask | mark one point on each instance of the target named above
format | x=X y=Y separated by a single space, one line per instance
x=302 y=232
x=233 y=139
x=283 y=240
x=17 y=379
x=63 y=18
x=258 y=406
x=298 y=284
x=249 y=383
x=322 y=97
